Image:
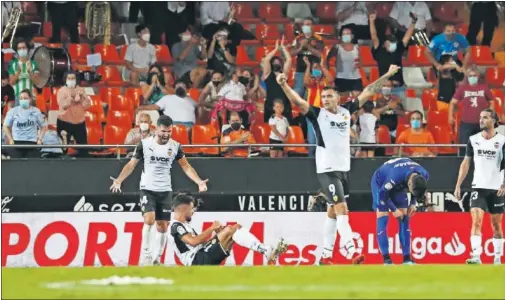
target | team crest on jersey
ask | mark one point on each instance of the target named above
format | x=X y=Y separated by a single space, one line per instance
x=169 y=151
x=335 y=198
x=456 y=44
x=181 y=230
x=496 y=145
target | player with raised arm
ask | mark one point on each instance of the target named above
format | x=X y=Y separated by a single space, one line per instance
x=213 y=245
x=389 y=184
x=332 y=125
x=158 y=154
x=487 y=150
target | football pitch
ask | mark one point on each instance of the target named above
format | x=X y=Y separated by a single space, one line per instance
x=365 y=281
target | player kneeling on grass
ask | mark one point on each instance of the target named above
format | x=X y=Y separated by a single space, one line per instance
x=196 y=249
x=388 y=191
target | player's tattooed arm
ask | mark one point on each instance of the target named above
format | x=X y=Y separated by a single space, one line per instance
x=377 y=85
x=293 y=96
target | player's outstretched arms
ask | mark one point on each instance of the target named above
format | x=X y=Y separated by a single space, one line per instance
x=377 y=85
x=293 y=96
x=127 y=171
x=463 y=171
x=195 y=240
x=191 y=173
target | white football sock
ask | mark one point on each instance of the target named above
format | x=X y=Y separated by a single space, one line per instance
x=345 y=231
x=160 y=243
x=498 y=247
x=146 y=239
x=246 y=239
x=330 y=234
x=476 y=243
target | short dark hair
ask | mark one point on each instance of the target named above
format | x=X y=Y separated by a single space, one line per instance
x=217 y=72
x=368 y=106
x=68 y=73
x=329 y=87
x=391 y=38
x=180 y=80
x=445 y=58
x=5 y=75
x=164 y=121
x=26 y=91
x=20 y=40
x=182 y=198
x=417 y=112
x=344 y=28
x=449 y=23
x=139 y=28
x=419 y=186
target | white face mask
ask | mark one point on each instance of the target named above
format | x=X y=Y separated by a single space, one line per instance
x=71 y=83
x=23 y=53
x=146 y=37
x=144 y=126
x=186 y=37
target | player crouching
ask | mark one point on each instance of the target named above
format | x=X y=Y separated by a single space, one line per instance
x=196 y=249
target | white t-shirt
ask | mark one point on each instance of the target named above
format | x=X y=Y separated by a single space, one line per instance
x=233 y=91
x=359 y=16
x=177 y=108
x=140 y=57
x=282 y=126
x=346 y=63
x=488 y=158
x=367 y=123
x=401 y=12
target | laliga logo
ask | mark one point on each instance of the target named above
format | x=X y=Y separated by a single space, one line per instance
x=82 y=205
x=455 y=247
x=358 y=244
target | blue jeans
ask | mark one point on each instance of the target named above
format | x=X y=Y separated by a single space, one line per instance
x=311 y=137
x=299 y=84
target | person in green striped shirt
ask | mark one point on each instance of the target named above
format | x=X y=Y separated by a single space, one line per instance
x=23 y=72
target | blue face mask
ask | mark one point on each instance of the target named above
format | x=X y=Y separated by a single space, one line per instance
x=24 y=103
x=316 y=73
x=346 y=38
x=392 y=47
x=416 y=124
x=472 y=80
x=306 y=29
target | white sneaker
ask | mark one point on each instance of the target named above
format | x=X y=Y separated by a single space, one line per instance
x=146 y=260
x=474 y=260
x=497 y=261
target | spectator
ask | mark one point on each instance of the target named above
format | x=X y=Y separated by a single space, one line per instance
x=316 y=78
x=236 y=135
x=271 y=66
x=450 y=73
x=354 y=15
x=64 y=14
x=179 y=17
x=154 y=13
x=449 y=42
x=416 y=134
x=186 y=54
x=209 y=96
x=279 y=129
x=155 y=87
x=390 y=51
x=482 y=13
x=8 y=97
x=298 y=11
x=140 y=132
x=73 y=102
x=366 y=128
x=474 y=96
x=139 y=56
x=179 y=107
x=221 y=54
x=310 y=45
x=25 y=125
x=348 y=78
x=23 y=72
x=387 y=108
x=400 y=17
x=51 y=137
x=252 y=83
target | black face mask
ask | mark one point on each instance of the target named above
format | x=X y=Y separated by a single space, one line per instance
x=216 y=83
x=243 y=80
x=235 y=126
x=181 y=92
x=276 y=68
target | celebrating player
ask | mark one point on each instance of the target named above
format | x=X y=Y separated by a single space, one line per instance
x=196 y=249
x=332 y=125
x=487 y=149
x=388 y=191
x=158 y=154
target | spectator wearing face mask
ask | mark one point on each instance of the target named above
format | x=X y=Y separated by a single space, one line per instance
x=354 y=15
x=366 y=129
x=388 y=108
x=25 y=125
x=473 y=96
x=155 y=87
x=186 y=54
x=236 y=135
x=139 y=56
x=221 y=54
x=8 y=97
x=448 y=43
x=23 y=72
x=272 y=66
x=51 y=137
x=179 y=107
x=72 y=102
x=251 y=81
x=416 y=134
x=450 y=73
x=141 y=131
x=209 y=97
x=400 y=17
x=307 y=44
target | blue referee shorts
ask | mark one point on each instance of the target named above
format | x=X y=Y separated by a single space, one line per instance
x=399 y=198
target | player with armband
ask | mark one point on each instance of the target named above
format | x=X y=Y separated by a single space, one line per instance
x=389 y=184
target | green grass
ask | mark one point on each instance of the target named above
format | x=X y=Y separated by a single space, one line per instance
x=374 y=281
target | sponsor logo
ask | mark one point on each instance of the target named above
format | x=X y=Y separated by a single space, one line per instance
x=455 y=247
x=82 y=205
x=358 y=246
x=274 y=202
x=496 y=145
x=159 y=159
x=181 y=230
x=388 y=186
x=5 y=201
x=487 y=153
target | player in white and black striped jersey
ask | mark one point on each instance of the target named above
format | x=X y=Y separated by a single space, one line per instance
x=213 y=245
x=487 y=150
x=158 y=154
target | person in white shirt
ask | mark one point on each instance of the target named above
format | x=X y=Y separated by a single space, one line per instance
x=279 y=129
x=179 y=107
x=367 y=126
x=354 y=15
x=299 y=11
x=234 y=94
x=400 y=16
x=139 y=56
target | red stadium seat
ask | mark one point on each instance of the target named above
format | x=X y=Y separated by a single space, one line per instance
x=163 y=55
x=243 y=58
x=94 y=132
x=123 y=103
x=295 y=136
x=40 y=102
x=416 y=57
x=495 y=76
x=92 y=118
x=108 y=93
x=400 y=128
x=110 y=76
x=115 y=135
x=323 y=29
x=429 y=99
x=481 y=55
x=135 y=94
x=366 y=57
x=443 y=135
x=267 y=31
x=109 y=54
x=120 y=118
x=78 y=52
x=261 y=133
x=96 y=107
x=384 y=137
x=244 y=13
x=435 y=117
x=325 y=11
x=271 y=12
x=180 y=134
x=204 y=135
x=499 y=100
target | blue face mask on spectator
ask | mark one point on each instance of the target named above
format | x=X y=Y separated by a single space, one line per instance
x=346 y=38
x=24 y=103
x=306 y=29
x=392 y=47
x=416 y=124
x=472 y=80
x=317 y=73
